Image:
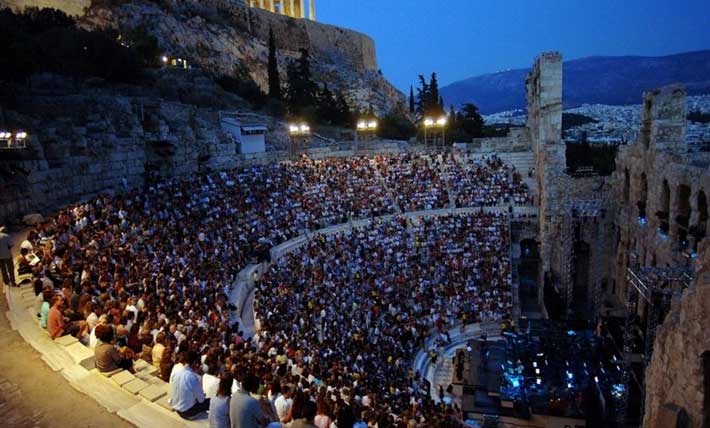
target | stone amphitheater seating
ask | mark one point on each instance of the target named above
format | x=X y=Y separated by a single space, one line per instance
x=140 y=398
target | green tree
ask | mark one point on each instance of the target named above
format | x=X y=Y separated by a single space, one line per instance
x=145 y=45
x=327 y=108
x=395 y=125
x=435 y=98
x=345 y=115
x=423 y=98
x=302 y=90
x=273 y=69
x=411 y=99
x=469 y=121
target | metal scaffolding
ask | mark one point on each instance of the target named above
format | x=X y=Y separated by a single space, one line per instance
x=655 y=288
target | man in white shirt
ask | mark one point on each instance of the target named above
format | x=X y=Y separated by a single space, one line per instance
x=188 y=399
x=283 y=404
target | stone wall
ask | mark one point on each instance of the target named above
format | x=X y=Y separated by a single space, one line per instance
x=83 y=145
x=675 y=374
x=517 y=140
x=105 y=143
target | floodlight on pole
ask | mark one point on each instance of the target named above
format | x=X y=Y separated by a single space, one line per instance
x=299 y=133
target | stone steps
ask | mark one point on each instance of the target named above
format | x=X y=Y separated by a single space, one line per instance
x=134 y=397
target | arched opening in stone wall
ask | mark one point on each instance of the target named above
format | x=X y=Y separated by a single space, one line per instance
x=699 y=229
x=528 y=269
x=627 y=186
x=663 y=213
x=643 y=198
x=582 y=256
x=682 y=214
x=645 y=133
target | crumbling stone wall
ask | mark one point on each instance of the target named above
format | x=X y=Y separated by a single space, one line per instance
x=640 y=205
x=675 y=374
x=558 y=194
x=655 y=184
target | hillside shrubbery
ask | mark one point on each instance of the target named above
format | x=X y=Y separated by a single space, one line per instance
x=46 y=40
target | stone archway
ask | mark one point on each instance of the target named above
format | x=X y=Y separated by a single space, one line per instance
x=681 y=211
x=627 y=186
x=643 y=197
x=663 y=214
x=698 y=231
x=528 y=274
x=581 y=283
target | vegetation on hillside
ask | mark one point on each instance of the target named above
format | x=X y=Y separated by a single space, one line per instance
x=573 y=120
x=600 y=157
x=699 y=117
x=47 y=40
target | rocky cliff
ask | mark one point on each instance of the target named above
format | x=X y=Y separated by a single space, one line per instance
x=215 y=35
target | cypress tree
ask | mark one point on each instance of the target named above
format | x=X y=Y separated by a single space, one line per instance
x=411 y=98
x=273 y=69
x=434 y=95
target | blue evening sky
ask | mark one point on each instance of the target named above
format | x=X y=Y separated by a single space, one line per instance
x=464 y=38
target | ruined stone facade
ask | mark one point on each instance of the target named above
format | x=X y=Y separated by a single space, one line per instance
x=572 y=236
x=659 y=205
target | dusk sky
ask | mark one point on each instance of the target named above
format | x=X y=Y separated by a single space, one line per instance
x=460 y=39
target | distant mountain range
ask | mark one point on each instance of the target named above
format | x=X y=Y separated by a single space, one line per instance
x=612 y=80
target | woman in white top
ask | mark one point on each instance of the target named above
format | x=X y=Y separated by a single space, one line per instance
x=219 y=405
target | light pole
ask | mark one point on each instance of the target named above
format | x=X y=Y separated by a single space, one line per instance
x=438 y=123
x=441 y=123
x=298 y=132
x=366 y=128
x=10 y=141
x=428 y=123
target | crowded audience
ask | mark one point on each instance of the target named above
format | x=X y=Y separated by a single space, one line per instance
x=147 y=274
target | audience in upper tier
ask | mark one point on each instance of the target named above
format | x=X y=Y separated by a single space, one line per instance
x=147 y=274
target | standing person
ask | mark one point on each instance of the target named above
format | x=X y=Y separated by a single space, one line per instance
x=219 y=405
x=6 y=265
x=188 y=398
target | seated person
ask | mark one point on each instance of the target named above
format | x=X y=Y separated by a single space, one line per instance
x=23 y=262
x=188 y=399
x=58 y=325
x=107 y=357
